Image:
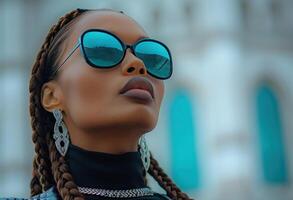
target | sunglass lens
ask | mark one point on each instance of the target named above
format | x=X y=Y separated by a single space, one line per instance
x=156 y=58
x=102 y=49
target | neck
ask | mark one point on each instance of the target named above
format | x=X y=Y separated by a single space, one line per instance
x=116 y=141
x=104 y=170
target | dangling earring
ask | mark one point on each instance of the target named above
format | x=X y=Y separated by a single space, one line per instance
x=144 y=153
x=60 y=136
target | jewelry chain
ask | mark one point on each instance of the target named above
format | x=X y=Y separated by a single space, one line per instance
x=137 y=192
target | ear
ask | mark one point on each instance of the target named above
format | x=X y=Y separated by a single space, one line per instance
x=51 y=96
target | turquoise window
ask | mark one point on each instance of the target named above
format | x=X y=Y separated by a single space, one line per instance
x=184 y=160
x=271 y=139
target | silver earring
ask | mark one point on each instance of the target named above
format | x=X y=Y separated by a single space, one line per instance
x=144 y=153
x=60 y=136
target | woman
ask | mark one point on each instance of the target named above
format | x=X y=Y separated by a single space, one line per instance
x=95 y=90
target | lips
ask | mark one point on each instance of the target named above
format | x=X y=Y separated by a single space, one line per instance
x=138 y=83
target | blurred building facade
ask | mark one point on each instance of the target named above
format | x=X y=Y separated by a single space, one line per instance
x=225 y=127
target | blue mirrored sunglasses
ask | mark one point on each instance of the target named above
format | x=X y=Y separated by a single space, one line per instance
x=103 y=49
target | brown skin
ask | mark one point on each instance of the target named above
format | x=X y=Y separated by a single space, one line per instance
x=98 y=118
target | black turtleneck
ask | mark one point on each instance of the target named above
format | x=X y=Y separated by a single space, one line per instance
x=107 y=171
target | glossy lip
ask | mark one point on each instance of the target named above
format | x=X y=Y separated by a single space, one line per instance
x=138 y=83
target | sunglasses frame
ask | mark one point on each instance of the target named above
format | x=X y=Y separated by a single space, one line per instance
x=123 y=45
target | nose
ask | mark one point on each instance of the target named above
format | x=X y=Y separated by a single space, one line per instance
x=133 y=65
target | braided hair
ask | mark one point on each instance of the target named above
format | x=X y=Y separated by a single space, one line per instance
x=49 y=167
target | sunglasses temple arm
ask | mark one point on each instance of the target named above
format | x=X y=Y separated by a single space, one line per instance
x=72 y=51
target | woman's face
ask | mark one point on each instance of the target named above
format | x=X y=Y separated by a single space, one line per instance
x=90 y=96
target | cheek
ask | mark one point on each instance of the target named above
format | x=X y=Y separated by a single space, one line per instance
x=87 y=95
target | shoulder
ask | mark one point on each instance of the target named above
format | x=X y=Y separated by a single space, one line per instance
x=50 y=194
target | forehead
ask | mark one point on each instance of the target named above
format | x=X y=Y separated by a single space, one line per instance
x=117 y=23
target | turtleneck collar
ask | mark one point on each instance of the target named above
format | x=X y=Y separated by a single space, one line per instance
x=105 y=170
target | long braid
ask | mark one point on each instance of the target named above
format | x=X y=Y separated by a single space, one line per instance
x=64 y=180
x=165 y=182
x=41 y=158
x=35 y=185
x=42 y=122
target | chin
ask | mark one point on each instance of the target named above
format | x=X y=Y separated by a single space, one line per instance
x=146 y=126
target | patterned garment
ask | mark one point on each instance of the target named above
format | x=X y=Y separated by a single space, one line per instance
x=51 y=194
